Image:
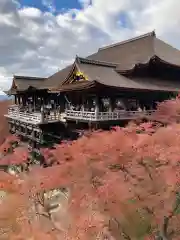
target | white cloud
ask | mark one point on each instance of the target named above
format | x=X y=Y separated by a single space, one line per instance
x=39 y=43
x=29 y=12
x=2 y=93
x=5 y=79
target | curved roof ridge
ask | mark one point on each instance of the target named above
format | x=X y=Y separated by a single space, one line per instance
x=97 y=62
x=167 y=62
x=149 y=34
x=28 y=77
x=132 y=66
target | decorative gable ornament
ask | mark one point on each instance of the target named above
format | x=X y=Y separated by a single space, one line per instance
x=79 y=76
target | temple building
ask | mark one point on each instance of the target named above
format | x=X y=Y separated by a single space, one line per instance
x=120 y=82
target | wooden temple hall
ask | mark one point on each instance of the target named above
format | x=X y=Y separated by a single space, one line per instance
x=119 y=82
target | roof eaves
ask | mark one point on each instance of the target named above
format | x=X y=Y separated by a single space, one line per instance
x=77 y=87
x=152 y=58
x=133 y=66
x=164 y=61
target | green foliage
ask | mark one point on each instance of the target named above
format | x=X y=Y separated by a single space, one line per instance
x=16 y=169
x=132 y=200
x=177 y=204
x=14 y=144
x=115 y=167
x=137 y=224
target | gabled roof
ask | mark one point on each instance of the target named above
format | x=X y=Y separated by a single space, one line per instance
x=58 y=78
x=122 y=56
x=125 y=56
x=139 y=50
x=106 y=75
x=22 y=83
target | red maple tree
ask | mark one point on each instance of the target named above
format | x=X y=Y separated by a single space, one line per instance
x=122 y=185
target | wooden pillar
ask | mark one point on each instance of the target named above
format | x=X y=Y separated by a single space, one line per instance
x=97 y=100
x=62 y=104
x=15 y=99
x=35 y=101
x=24 y=100
x=83 y=103
x=111 y=108
x=113 y=102
x=34 y=106
x=18 y=100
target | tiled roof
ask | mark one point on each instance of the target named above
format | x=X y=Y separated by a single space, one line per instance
x=108 y=76
x=122 y=56
x=22 y=83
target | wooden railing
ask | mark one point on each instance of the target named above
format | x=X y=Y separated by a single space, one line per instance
x=80 y=115
x=52 y=117
x=15 y=112
x=105 y=116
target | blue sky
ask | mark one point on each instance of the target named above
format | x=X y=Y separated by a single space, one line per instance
x=59 y=4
